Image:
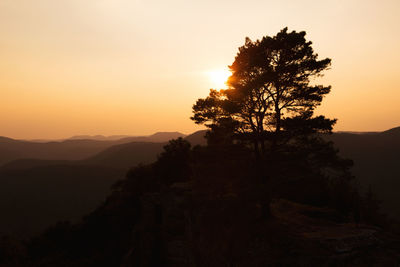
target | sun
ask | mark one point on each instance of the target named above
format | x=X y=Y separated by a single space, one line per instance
x=218 y=77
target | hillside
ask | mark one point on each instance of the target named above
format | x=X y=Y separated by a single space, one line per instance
x=35 y=193
x=211 y=216
x=156 y=137
x=126 y=155
x=375 y=156
x=376 y=163
x=34 y=198
x=197 y=138
x=98 y=137
x=11 y=149
x=123 y=155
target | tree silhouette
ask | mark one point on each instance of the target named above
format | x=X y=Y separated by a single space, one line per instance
x=173 y=164
x=268 y=92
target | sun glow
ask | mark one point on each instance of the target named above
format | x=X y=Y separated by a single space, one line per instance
x=219 y=77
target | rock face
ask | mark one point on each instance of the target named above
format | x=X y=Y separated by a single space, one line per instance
x=181 y=225
x=175 y=230
x=163 y=234
x=337 y=244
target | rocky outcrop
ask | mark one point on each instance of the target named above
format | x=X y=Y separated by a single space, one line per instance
x=163 y=234
x=176 y=231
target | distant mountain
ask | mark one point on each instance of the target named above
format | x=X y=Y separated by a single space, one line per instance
x=121 y=156
x=11 y=149
x=127 y=155
x=35 y=193
x=8 y=151
x=25 y=164
x=98 y=137
x=354 y=132
x=197 y=138
x=159 y=137
x=376 y=162
x=56 y=189
x=165 y=136
x=395 y=132
x=64 y=180
x=77 y=149
x=4 y=139
x=31 y=199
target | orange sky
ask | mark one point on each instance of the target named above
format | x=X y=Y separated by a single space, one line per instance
x=135 y=67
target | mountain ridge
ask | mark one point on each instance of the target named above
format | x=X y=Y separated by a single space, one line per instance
x=76 y=149
x=375 y=163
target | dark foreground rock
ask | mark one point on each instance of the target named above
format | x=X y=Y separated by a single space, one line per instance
x=175 y=230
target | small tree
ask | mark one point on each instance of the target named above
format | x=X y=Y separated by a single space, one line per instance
x=269 y=91
x=173 y=164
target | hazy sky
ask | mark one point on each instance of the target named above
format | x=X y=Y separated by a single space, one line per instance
x=135 y=67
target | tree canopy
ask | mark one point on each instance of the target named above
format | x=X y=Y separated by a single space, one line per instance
x=270 y=93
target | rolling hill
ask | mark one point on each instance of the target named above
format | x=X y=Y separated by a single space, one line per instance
x=34 y=198
x=35 y=193
x=76 y=149
x=121 y=156
x=376 y=159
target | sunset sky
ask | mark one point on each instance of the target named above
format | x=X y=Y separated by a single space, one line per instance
x=70 y=67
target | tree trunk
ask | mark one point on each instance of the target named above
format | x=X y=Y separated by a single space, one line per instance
x=262 y=146
x=277 y=128
x=256 y=148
